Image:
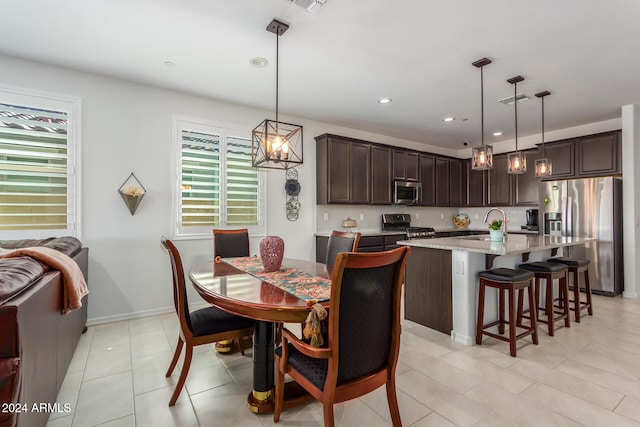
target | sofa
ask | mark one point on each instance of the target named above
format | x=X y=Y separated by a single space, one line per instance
x=37 y=340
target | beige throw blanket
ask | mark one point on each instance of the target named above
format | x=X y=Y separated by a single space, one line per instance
x=74 y=286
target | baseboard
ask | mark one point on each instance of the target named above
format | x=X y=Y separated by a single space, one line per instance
x=128 y=316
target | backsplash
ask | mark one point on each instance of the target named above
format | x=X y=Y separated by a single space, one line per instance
x=368 y=218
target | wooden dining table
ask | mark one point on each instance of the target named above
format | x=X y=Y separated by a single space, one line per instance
x=240 y=293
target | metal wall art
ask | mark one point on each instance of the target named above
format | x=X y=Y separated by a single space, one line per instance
x=132 y=192
x=292 y=187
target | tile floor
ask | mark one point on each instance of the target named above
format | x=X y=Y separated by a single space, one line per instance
x=587 y=374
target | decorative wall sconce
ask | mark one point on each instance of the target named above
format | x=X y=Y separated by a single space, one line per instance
x=482 y=156
x=517 y=161
x=132 y=192
x=292 y=187
x=276 y=145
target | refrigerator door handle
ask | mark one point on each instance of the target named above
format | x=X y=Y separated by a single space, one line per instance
x=569 y=216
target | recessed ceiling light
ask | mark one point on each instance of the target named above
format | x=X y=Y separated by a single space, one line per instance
x=384 y=101
x=448 y=119
x=169 y=64
x=258 y=62
x=498 y=133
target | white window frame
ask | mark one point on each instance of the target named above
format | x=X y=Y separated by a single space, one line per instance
x=224 y=130
x=72 y=106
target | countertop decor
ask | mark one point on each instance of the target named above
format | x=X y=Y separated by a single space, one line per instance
x=461 y=220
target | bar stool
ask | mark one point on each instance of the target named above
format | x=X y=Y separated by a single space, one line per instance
x=577 y=266
x=506 y=280
x=550 y=272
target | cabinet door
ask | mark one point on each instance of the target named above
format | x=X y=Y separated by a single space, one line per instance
x=399 y=165
x=476 y=185
x=412 y=166
x=598 y=154
x=428 y=180
x=456 y=193
x=338 y=176
x=561 y=155
x=499 y=182
x=380 y=175
x=360 y=173
x=526 y=186
x=442 y=182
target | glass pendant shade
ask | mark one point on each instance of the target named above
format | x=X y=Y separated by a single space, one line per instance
x=543 y=168
x=276 y=145
x=517 y=163
x=482 y=157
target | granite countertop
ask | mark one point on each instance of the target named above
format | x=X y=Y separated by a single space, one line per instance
x=364 y=233
x=515 y=244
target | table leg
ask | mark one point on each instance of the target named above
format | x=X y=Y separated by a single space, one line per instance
x=260 y=400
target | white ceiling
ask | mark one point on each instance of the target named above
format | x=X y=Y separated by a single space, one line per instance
x=335 y=64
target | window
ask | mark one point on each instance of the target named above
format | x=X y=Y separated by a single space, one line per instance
x=217 y=186
x=37 y=166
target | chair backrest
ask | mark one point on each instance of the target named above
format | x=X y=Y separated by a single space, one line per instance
x=179 y=291
x=364 y=313
x=230 y=243
x=340 y=241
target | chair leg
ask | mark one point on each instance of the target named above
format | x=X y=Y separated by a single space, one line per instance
x=183 y=375
x=392 y=398
x=240 y=346
x=563 y=290
x=328 y=414
x=480 y=323
x=576 y=295
x=533 y=314
x=587 y=289
x=501 y=311
x=512 y=320
x=279 y=392
x=549 y=306
x=176 y=356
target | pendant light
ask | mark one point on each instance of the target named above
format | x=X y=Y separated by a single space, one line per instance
x=276 y=145
x=482 y=156
x=517 y=161
x=543 y=165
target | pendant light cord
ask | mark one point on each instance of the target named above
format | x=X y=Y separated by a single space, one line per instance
x=515 y=100
x=543 y=126
x=482 y=105
x=277 y=71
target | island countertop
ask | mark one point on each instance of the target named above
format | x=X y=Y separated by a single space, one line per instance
x=515 y=243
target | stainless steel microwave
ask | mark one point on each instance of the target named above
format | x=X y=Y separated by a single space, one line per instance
x=406 y=192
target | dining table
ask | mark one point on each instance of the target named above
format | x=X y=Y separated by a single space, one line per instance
x=237 y=291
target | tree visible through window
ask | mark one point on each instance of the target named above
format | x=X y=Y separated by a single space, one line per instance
x=218 y=186
x=36 y=171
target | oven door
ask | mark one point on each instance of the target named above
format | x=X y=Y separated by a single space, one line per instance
x=406 y=192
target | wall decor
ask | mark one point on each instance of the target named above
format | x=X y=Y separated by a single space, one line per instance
x=132 y=192
x=292 y=187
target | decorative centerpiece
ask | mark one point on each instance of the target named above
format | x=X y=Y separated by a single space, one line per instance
x=271 y=253
x=461 y=220
x=495 y=230
x=132 y=193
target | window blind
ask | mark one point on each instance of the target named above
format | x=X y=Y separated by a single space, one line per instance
x=33 y=169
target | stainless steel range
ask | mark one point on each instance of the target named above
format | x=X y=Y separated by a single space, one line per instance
x=402 y=222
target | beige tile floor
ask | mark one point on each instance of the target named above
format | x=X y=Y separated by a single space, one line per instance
x=588 y=374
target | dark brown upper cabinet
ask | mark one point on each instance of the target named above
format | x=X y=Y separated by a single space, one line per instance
x=499 y=182
x=598 y=154
x=562 y=157
x=343 y=170
x=457 y=183
x=428 y=180
x=526 y=186
x=381 y=175
x=442 y=182
x=405 y=165
x=476 y=185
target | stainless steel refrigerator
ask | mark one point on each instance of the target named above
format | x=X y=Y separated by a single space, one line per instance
x=590 y=207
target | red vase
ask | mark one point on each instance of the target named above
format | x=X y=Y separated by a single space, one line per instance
x=271 y=253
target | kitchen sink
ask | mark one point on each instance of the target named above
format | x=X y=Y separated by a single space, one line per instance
x=483 y=237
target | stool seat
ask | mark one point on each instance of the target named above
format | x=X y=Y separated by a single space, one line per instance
x=570 y=261
x=543 y=267
x=506 y=275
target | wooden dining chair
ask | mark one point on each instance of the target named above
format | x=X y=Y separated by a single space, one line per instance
x=204 y=326
x=230 y=243
x=364 y=336
x=340 y=241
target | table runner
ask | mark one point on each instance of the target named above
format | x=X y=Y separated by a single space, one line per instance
x=299 y=283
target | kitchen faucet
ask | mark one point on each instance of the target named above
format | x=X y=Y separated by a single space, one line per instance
x=504 y=221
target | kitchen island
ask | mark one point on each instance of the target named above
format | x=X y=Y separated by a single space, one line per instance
x=441 y=276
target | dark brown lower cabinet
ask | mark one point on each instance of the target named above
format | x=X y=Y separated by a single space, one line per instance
x=427 y=289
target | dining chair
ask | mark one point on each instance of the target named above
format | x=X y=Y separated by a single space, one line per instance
x=340 y=241
x=204 y=326
x=230 y=243
x=364 y=336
